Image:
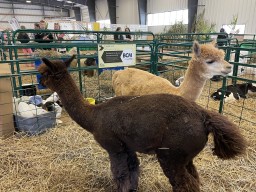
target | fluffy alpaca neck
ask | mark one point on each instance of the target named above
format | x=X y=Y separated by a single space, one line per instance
x=74 y=103
x=193 y=83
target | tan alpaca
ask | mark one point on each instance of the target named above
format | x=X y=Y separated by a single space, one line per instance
x=206 y=62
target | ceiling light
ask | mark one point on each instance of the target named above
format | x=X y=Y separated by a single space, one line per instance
x=60 y=0
x=28 y=1
x=69 y=1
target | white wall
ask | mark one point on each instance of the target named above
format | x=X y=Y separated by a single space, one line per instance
x=85 y=14
x=72 y=13
x=159 y=6
x=127 y=12
x=101 y=9
x=221 y=12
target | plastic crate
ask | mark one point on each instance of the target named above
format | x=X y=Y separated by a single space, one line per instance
x=35 y=125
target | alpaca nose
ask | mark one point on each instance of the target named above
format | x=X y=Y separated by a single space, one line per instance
x=229 y=67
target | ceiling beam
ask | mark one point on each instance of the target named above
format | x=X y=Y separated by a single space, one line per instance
x=53 y=3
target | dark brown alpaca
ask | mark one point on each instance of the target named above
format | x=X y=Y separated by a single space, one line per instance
x=174 y=129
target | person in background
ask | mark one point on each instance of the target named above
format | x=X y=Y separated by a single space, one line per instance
x=44 y=37
x=6 y=40
x=59 y=37
x=128 y=37
x=221 y=38
x=7 y=31
x=36 y=26
x=118 y=37
x=24 y=38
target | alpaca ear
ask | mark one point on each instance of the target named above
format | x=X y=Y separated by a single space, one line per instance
x=196 y=49
x=48 y=64
x=68 y=62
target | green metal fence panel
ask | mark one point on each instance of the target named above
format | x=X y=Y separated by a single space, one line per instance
x=169 y=60
x=243 y=60
x=98 y=87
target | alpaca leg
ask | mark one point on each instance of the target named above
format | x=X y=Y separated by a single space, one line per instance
x=133 y=166
x=120 y=171
x=177 y=173
x=192 y=170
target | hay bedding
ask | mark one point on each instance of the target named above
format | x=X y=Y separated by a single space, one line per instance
x=67 y=158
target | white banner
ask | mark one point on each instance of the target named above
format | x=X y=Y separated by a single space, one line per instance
x=14 y=24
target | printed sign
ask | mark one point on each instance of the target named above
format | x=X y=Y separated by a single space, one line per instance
x=116 y=55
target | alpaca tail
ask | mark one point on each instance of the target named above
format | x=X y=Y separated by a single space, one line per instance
x=228 y=140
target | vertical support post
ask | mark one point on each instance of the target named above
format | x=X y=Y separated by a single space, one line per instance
x=228 y=53
x=223 y=90
x=77 y=12
x=112 y=11
x=18 y=68
x=142 y=5
x=79 y=72
x=235 y=67
x=91 y=9
x=154 y=58
x=43 y=11
x=13 y=13
x=192 y=12
x=13 y=72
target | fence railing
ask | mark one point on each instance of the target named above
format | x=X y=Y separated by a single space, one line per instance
x=151 y=53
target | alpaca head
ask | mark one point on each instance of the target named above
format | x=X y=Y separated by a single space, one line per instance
x=209 y=60
x=89 y=62
x=53 y=71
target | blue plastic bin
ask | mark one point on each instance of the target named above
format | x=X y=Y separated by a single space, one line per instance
x=35 y=125
x=38 y=76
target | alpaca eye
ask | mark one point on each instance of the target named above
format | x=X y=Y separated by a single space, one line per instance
x=210 y=62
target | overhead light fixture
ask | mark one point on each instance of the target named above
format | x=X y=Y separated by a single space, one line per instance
x=69 y=1
x=28 y=1
x=60 y=0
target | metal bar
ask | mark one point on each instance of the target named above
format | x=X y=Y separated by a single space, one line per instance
x=36 y=9
x=223 y=91
x=12 y=71
x=79 y=72
x=25 y=14
x=18 y=69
